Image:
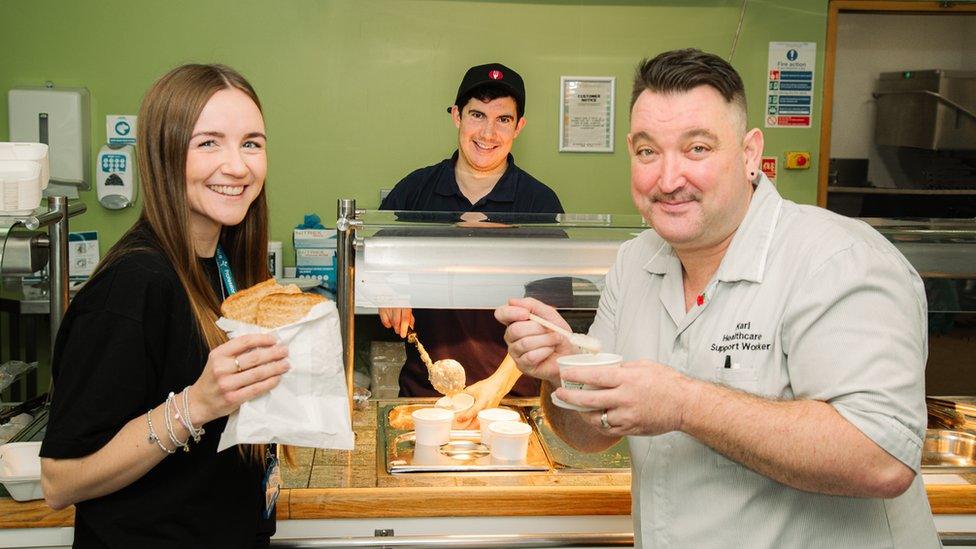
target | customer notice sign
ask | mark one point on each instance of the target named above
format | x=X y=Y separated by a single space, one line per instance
x=789 y=84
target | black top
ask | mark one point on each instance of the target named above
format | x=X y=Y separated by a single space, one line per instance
x=127 y=340
x=472 y=337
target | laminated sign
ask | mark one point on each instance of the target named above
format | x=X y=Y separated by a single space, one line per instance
x=789 y=84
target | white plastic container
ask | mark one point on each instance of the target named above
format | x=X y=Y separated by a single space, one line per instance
x=24 y=173
x=509 y=440
x=20 y=470
x=275 y=257
x=432 y=426
x=490 y=415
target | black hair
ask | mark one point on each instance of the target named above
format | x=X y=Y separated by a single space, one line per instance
x=489 y=92
x=684 y=70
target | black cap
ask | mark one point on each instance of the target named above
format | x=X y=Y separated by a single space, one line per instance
x=497 y=75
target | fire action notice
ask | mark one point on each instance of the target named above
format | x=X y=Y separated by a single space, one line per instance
x=789 y=84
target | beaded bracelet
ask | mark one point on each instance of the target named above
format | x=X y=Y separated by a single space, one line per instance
x=152 y=435
x=185 y=417
x=167 y=408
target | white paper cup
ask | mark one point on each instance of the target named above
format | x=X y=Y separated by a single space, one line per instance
x=584 y=359
x=589 y=360
x=490 y=415
x=509 y=440
x=432 y=426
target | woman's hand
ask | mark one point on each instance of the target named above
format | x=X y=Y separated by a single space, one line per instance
x=399 y=319
x=237 y=371
x=489 y=392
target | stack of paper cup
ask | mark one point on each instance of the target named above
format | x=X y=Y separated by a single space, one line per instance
x=509 y=440
x=490 y=415
x=432 y=426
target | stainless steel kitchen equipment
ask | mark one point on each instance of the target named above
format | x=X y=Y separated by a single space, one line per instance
x=931 y=109
x=24 y=250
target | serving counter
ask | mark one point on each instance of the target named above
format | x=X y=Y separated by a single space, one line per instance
x=345 y=498
x=339 y=498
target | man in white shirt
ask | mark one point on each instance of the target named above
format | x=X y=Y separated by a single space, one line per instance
x=772 y=389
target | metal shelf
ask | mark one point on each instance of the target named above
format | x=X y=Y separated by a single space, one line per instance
x=914 y=192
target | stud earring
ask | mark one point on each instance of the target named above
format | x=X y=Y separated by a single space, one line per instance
x=752 y=174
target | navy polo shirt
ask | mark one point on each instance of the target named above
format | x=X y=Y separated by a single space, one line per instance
x=472 y=337
x=434 y=189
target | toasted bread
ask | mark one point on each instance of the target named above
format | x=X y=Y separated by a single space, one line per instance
x=243 y=305
x=280 y=309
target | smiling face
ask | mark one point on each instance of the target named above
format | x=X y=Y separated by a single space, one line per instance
x=690 y=160
x=225 y=165
x=486 y=131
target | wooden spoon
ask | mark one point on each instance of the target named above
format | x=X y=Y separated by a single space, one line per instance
x=585 y=343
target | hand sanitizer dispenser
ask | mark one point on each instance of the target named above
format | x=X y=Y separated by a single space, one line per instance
x=115 y=178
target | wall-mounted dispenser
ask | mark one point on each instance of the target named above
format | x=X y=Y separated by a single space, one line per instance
x=115 y=181
x=58 y=117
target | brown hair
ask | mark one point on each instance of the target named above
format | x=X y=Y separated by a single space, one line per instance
x=683 y=70
x=169 y=111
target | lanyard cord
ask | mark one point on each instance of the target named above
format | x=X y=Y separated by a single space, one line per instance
x=226 y=276
x=229 y=287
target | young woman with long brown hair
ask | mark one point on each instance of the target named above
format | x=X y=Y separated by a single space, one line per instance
x=140 y=368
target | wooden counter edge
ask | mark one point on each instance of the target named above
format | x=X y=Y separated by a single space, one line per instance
x=459 y=501
x=952 y=499
x=329 y=503
x=34 y=514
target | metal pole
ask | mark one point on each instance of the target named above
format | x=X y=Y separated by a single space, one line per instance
x=58 y=266
x=346 y=285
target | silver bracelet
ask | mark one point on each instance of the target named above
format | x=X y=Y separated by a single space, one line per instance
x=153 y=437
x=185 y=417
x=167 y=408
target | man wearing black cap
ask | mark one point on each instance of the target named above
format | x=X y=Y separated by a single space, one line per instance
x=480 y=178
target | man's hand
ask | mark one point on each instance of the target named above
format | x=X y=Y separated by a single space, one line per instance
x=533 y=347
x=640 y=397
x=399 y=319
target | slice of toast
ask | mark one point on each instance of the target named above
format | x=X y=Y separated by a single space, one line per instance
x=243 y=305
x=280 y=309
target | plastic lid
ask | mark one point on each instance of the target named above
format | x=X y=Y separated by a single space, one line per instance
x=589 y=359
x=509 y=428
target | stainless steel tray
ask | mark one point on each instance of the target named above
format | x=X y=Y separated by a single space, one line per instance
x=464 y=453
x=615 y=459
x=948 y=452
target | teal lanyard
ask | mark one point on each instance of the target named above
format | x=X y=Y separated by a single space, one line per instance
x=272 y=475
x=227 y=277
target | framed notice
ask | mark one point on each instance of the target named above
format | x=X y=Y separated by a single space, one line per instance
x=586 y=109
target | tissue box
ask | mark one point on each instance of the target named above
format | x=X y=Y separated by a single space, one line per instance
x=315 y=238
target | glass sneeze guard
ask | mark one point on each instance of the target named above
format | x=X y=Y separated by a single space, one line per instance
x=447 y=260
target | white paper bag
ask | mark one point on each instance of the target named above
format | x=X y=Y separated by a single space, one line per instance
x=310 y=406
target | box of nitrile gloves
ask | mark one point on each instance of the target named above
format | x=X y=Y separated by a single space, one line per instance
x=317 y=263
x=315 y=238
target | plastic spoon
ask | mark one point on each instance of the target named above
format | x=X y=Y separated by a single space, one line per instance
x=584 y=342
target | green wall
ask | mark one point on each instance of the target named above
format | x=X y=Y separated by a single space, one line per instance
x=355 y=91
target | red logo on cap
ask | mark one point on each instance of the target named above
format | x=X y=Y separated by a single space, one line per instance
x=495 y=75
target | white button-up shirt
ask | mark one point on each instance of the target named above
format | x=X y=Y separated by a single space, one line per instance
x=806 y=305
